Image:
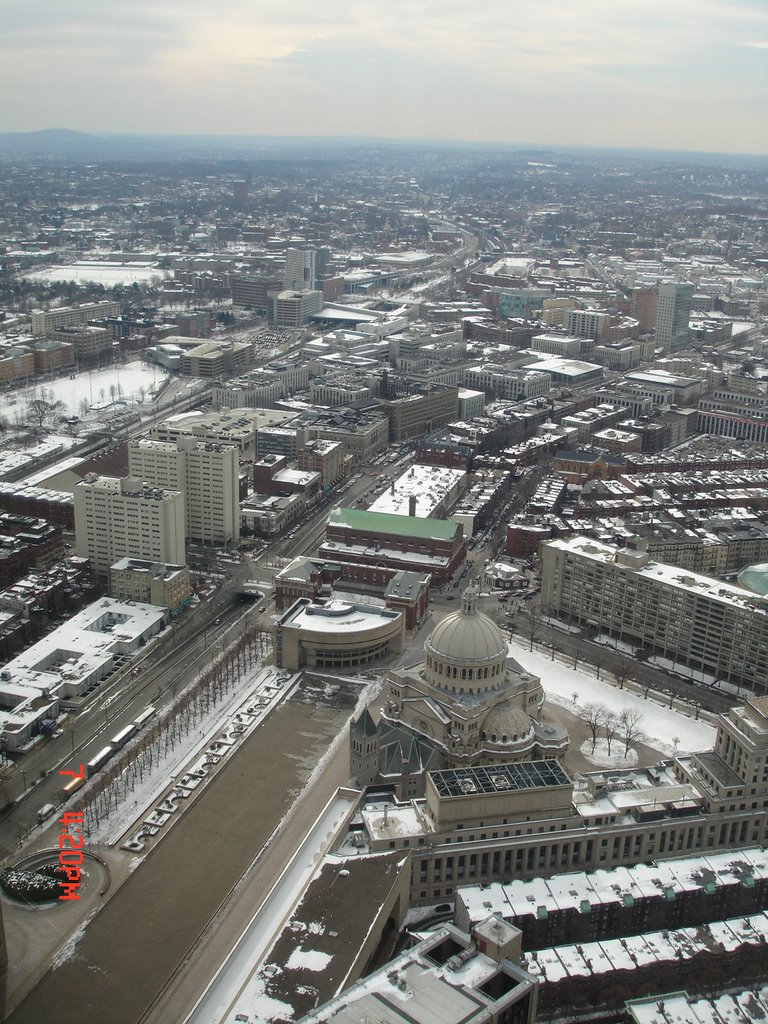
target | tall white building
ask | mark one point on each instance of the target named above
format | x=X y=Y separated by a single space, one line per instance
x=300 y=270
x=672 y=315
x=205 y=472
x=118 y=517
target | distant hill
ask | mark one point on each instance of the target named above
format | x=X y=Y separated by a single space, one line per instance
x=57 y=144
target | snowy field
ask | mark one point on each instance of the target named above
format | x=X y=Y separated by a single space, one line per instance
x=108 y=274
x=667 y=729
x=128 y=381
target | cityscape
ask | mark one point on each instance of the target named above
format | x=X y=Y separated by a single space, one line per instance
x=383 y=581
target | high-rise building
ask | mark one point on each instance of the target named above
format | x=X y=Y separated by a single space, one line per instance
x=694 y=620
x=118 y=517
x=205 y=472
x=672 y=314
x=300 y=270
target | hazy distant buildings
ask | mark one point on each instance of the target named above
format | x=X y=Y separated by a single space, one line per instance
x=47 y=320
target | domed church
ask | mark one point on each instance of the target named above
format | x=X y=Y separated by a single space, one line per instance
x=468 y=703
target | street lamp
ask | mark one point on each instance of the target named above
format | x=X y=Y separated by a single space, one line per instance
x=24 y=780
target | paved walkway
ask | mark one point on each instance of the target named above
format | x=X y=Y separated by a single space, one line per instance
x=133 y=946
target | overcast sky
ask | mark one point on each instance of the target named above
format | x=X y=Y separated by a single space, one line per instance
x=676 y=74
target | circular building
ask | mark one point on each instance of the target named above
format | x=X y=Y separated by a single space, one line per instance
x=336 y=635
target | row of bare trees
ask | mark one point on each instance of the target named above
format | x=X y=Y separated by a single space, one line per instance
x=625 y=724
x=119 y=779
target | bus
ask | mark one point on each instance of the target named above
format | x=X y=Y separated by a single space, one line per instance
x=72 y=786
x=97 y=763
x=123 y=736
x=144 y=717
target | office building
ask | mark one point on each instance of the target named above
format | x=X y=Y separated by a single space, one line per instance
x=123 y=517
x=292 y=308
x=450 y=977
x=336 y=635
x=672 y=315
x=527 y=819
x=398 y=542
x=300 y=270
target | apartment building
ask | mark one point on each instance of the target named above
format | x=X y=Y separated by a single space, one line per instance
x=47 y=320
x=206 y=473
x=118 y=517
x=139 y=579
x=694 y=620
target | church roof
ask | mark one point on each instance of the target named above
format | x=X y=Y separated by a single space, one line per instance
x=468 y=636
x=364 y=725
x=508 y=721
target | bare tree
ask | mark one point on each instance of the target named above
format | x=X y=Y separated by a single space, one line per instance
x=534 y=624
x=623 y=672
x=598 y=658
x=629 y=723
x=594 y=715
x=610 y=727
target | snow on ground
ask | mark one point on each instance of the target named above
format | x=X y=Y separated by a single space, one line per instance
x=94 y=387
x=308 y=959
x=669 y=729
x=92 y=272
x=147 y=792
x=69 y=947
x=603 y=759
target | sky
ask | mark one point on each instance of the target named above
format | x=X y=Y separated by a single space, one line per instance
x=668 y=74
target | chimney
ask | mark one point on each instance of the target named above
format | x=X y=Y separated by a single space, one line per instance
x=412 y=505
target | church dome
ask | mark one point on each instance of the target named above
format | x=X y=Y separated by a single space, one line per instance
x=506 y=723
x=466 y=650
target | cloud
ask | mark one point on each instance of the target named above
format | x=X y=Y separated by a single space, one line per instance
x=256 y=65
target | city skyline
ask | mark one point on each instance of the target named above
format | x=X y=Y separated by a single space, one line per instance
x=692 y=77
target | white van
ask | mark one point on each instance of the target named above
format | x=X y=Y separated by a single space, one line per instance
x=45 y=812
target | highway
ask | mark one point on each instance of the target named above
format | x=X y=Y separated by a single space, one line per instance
x=181 y=652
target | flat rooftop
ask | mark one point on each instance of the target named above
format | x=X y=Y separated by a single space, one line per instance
x=501 y=778
x=321 y=941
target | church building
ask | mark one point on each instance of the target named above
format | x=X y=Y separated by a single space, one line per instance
x=467 y=703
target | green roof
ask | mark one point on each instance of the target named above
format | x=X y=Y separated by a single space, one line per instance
x=386 y=522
